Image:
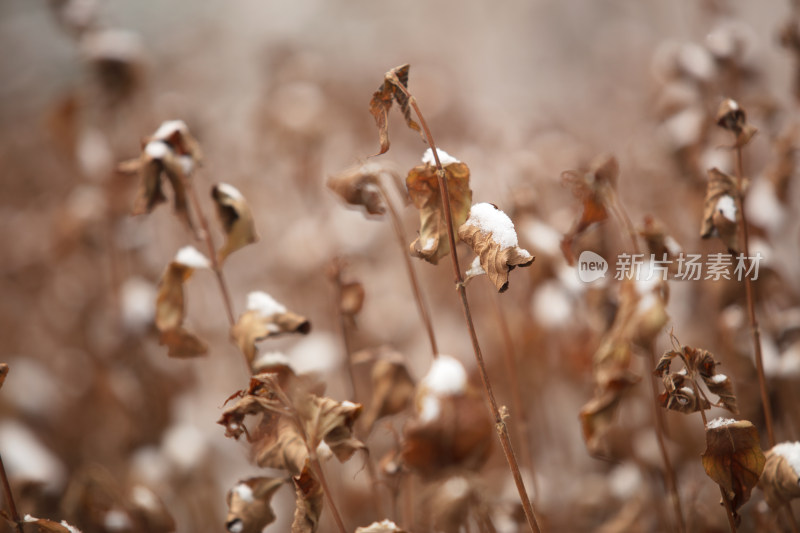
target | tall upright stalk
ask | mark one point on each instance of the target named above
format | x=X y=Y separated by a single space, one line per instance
x=500 y=423
x=412 y=276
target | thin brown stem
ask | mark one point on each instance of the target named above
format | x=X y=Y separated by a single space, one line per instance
x=500 y=424
x=317 y=468
x=12 y=508
x=412 y=276
x=751 y=311
x=669 y=472
x=512 y=371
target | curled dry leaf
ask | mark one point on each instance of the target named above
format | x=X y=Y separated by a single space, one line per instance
x=360 y=186
x=236 y=219
x=308 y=502
x=681 y=391
x=280 y=444
x=264 y=318
x=382 y=99
x=780 y=480
x=249 y=504
x=423 y=189
x=720 y=211
x=732 y=117
x=392 y=389
x=733 y=458
x=49 y=526
x=594 y=188
x=172 y=152
x=331 y=421
x=490 y=234
x=171 y=305
x=384 y=526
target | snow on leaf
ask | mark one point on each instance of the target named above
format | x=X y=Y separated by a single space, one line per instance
x=720 y=215
x=236 y=218
x=249 y=507
x=423 y=189
x=49 y=526
x=780 y=480
x=384 y=526
x=490 y=234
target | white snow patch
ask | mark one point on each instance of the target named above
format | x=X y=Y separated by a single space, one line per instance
x=430 y=408
x=447 y=376
x=688 y=391
x=269 y=359
x=157 y=149
x=625 y=480
x=145 y=498
x=187 y=164
x=191 y=257
x=684 y=128
x=444 y=158
x=491 y=220
x=324 y=451
x=429 y=244
x=117 y=520
x=552 y=305
x=70 y=528
x=230 y=190
x=696 y=61
x=169 y=128
x=456 y=487
x=264 y=303
x=385 y=524
x=542 y=237
x=137 y=302
x=719 y=378
x=244 y=492
x=720 y=422
x=25 y=457
x=727 y=206
x=349 y=404
x=791 y=452
x=475 y=268
x=237 y=526
x=185 y=446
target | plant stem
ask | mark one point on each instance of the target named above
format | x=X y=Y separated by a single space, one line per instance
x=12 y=508
x=500 y=424
x=212 y=250
x=313 y=460
x=751 y=312
x=725 y=502
x=412 y=276
x=510 y=360
x=669 y=472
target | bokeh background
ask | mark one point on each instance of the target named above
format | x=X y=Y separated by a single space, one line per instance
x=277 y=94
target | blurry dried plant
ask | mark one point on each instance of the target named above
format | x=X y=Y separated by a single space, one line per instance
x=249 y=506
x=389 y=92
x=780 y=480
x=236 y=219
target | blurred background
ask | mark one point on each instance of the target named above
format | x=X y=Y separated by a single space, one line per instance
x=96 y=419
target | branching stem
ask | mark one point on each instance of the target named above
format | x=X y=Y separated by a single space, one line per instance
x=500 y=424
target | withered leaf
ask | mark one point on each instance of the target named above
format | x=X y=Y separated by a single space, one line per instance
x=236 y=219
x=49 y=526
x=733 y=458
x=597 y=415
x=384 y=526
x=3 y=373
x=360 y=186
x=460 y=437
x=173 y=152
x=780 y=480
x=282 y=445
x=352 y=298
x=392 y=389
x=720 y=210
x=264 y=318
x=594 y=188
x=382 y=99
x=683 y=396
x=423 y=189
x=308 y=502
x=171 y=305
x=732 y=117
x=490 y=234
x=331 y=421
x=680 y=394
x=249 y=504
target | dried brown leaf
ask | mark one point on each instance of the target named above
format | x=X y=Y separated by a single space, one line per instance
x=490 y=234
x=308 y=502
x=182 y=343
x=360 y=186
x=49 y=526
x=780 y=480
x=264 y=318
x=331 y=421
x=282 y=445
x=594 y=188
x=597 y=415
x=732 y=117
x=352 y=298
x=423 y=188
x=720 y=211
x=392 y=389
x=733 y=458
x=681 y=393
x=236 y=219
x=249 y=504
x=382 y=99
x=3 y=373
